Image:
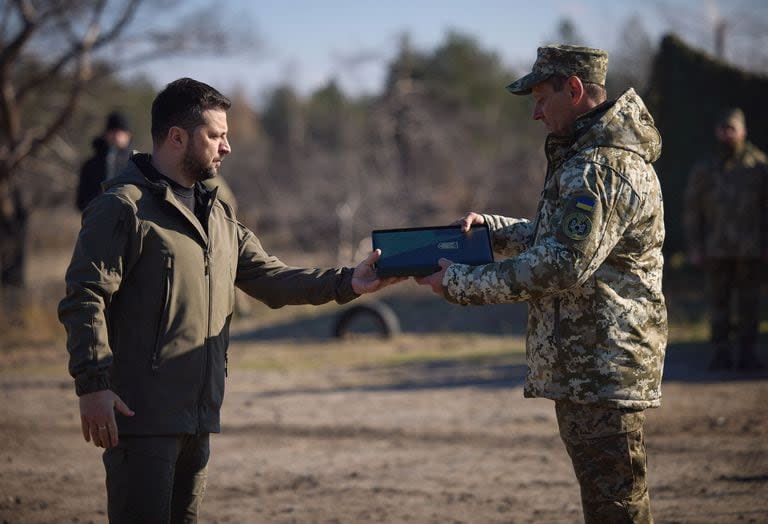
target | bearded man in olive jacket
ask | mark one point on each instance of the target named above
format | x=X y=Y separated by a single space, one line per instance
x=590 y=269
x=150 y=294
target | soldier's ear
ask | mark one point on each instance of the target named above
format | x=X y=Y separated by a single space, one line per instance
x=575 y=89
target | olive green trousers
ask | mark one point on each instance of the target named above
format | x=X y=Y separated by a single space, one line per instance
x=156 y=480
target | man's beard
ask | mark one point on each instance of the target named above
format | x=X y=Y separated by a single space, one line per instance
x=729 y=148
x=192 y=165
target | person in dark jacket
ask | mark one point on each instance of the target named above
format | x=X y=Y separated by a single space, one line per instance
x=110 y=154
x=150 y=295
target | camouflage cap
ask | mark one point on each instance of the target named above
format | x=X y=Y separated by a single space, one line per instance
x=589 y=64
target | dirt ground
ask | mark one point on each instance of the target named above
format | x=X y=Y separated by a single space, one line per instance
x=313 y=435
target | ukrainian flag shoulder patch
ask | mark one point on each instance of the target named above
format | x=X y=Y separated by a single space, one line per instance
x=585 y=203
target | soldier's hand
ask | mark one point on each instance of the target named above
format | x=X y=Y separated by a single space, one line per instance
x=467 y=220
x=364 y=278
x=435 y=280
x=97 y=417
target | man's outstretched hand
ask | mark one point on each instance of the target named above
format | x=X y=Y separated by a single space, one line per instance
x=364 y=278
x=97 y=417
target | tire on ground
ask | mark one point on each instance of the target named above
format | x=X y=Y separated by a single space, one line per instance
x=384 y=318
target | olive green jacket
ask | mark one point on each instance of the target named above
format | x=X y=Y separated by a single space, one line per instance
x=590 y=266
x=150 y=295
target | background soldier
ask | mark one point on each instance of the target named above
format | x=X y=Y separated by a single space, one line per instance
x=726 y=223
x=110 y=153
x=590 y=268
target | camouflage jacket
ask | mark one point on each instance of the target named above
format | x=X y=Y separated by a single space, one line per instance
x=726 y=205
x=590 y=266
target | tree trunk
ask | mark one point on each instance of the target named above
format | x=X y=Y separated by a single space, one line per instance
x=13 y=235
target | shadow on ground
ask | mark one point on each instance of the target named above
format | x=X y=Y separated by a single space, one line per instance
x=684 y=362
x=416 y=314
x=498 y=372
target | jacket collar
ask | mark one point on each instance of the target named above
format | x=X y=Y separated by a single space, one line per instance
x=624 y=123
x=140 y=172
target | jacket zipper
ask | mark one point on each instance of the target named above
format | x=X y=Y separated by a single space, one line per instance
x=542 y=202
x=556 y=301
x=549 y=173
x=209 y=283
x=543 y=193
x=208 y=211
x=207 y=261
x=163 y=314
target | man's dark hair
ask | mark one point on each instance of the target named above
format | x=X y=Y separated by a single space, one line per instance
x=181 y=104
x=594 y=91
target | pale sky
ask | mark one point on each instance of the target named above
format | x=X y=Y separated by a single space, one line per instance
x=306 y=42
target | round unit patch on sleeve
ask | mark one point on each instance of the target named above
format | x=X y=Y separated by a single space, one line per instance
x=580 y=215
x=577 y=225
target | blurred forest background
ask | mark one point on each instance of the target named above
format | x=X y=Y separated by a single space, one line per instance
x=315 y=174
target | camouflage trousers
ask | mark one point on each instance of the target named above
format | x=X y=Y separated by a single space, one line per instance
x=739 y=279
x=607 y=450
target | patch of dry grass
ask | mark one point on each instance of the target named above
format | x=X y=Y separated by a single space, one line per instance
x=30 y=323
x=368 y=351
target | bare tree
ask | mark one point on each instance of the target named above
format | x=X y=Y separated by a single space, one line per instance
x=50 y=52
x=631 y=58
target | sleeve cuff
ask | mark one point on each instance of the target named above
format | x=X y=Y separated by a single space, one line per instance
x=90 y=382
x=491 y=221
x=345 y=292
x=451 y=282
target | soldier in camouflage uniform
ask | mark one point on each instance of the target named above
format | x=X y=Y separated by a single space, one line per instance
x=590 y=268
x=726 y=223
